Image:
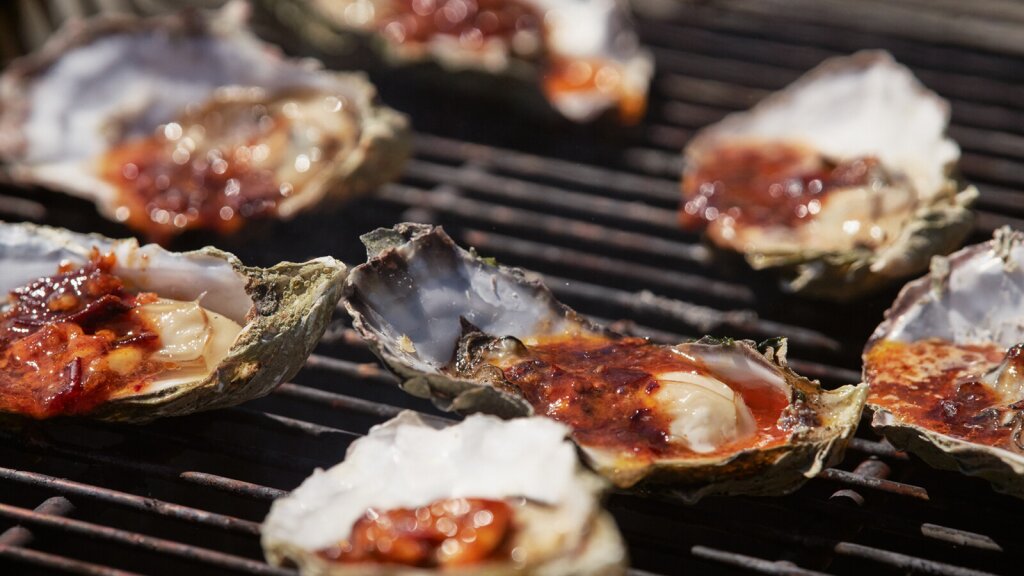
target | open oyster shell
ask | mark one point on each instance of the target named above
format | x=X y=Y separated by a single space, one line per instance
x=282 y=311
x=953 y=337
x=189 y=121
x=407 y=463
x=582 y=54
x=862 y=191
x=455 y=327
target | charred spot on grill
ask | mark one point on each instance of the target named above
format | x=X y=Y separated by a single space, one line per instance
x=445 y=533
x=58 y=333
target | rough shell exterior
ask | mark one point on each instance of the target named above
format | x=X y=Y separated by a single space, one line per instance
x=405 y=261
x=291 y=304
x=949 y=304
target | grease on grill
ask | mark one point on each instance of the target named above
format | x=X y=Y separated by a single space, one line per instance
x=940 y=386
x=452 y=532
x=69 y=341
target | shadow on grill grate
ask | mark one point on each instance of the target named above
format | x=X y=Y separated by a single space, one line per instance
x=593 y=209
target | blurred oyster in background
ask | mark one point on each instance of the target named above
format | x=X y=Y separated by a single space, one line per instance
x=842 y=182
x=582 y=54
x=189 y=121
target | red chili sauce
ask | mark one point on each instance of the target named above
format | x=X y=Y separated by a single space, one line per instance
x=454 y=532
x=605 y=391
x=767 y=184
x=69 y=341
x=936 y=384
x=170 y=182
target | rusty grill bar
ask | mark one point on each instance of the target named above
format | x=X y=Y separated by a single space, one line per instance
x=593 y=210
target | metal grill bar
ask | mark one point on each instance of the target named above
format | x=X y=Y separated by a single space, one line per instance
x=59 y=563
x=133 y=539
x=151 y=505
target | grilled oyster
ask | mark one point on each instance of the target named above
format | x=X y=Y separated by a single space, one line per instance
x=713 y=416
x=485 y=496
x=945 y=367
x=123 y=332
x=842 y=181
x=583 y=54
x=189 y=121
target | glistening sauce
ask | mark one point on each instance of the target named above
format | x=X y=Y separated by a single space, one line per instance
x=937 y=385
x=71 y=340
x=446 y=533
x=605 y=391
x=767 y=184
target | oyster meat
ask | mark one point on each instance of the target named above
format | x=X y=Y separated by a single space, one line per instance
x=842 y=181
x=712 y=416
x=189 y=121
x=485 y=496
x=583 y=54
x=116 y=331
x=945 y=367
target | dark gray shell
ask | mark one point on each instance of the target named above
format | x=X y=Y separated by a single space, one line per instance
x=974 y=295
x=418 y=293
x=283 y=310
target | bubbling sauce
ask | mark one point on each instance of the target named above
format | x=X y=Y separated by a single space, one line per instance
x=452 y=532
x=225 y=162
x=775 y=184
x=71 y=340
x=605 y=390
x=938 y=385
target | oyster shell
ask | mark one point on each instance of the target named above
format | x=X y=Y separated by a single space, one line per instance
x=841 y=182
x=269 y=319
x=558 y=526
x=945 y=365
x=189 y=121
x=713 y=416
x=583 y=54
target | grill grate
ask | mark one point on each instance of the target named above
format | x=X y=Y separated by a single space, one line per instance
x=593 y=210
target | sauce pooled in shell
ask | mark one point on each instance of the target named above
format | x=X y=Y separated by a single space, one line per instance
x=942 y=386
x=227 y=161
x=768 y=184
x=452 y=532
x=71 y=340
x=646 y=400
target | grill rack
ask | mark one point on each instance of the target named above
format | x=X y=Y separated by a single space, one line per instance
x=188 y=493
